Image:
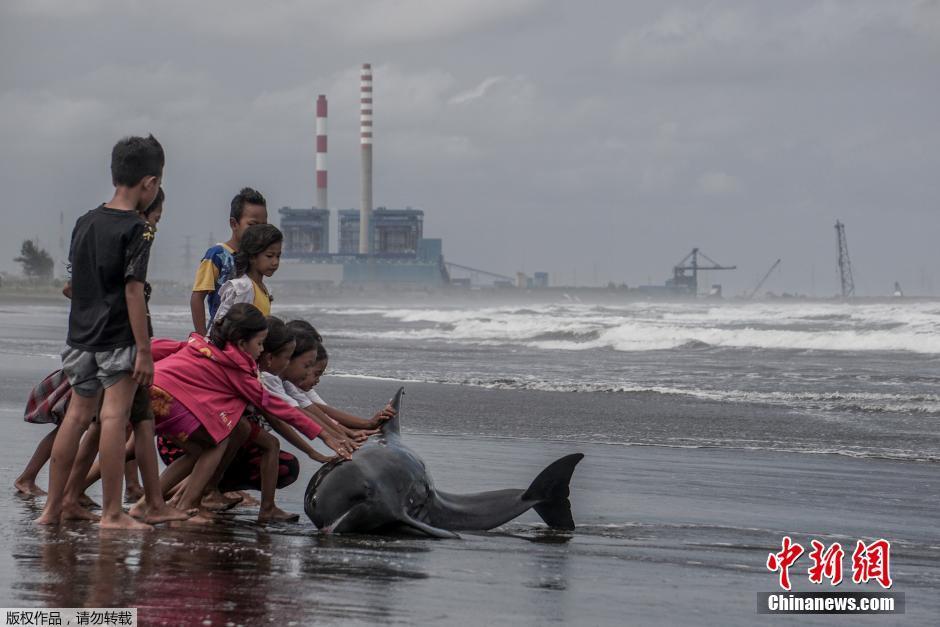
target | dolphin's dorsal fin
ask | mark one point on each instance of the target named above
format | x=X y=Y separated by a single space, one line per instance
x=393 y=426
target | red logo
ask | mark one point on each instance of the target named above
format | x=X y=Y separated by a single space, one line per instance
x=869 y=561
x=783 y=560
x=826 y=564
x=872 y=562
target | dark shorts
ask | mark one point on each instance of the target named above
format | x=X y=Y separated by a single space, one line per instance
x=140 y=408
x=89 y=372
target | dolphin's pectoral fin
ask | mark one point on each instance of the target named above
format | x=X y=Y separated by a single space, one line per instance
x=434 y=532
x=551 y=491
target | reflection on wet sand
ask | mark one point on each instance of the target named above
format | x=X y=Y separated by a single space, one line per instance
x=232 y=573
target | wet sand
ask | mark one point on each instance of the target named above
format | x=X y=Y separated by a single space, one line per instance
x=665 y=536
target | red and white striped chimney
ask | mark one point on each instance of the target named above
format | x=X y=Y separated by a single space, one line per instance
x=321 y=153
x=365 y=141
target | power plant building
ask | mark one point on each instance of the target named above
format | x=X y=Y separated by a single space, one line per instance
x=306 y=231
x=394 y=231
x=381 y=246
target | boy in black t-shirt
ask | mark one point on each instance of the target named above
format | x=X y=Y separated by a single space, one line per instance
x=108 y=345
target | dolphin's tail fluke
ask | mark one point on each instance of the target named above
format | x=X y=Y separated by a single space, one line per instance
x=551 y=491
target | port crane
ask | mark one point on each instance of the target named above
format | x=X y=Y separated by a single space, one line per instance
x=685 y=273
x=845 y=265
x=764 y=280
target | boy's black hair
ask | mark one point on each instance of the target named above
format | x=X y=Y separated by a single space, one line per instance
x=247 y=196
x=302 y=326
x=278 y=337
x=157 y=202
x=255 y=241
x=306 y=342
x=133 y=158
x=241 y=322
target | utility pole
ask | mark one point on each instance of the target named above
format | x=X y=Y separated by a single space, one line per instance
x=845 y=265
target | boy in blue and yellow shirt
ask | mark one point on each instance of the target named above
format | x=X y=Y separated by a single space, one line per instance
x=218 y=264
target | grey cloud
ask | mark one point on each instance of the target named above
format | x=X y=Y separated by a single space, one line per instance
x=537 y=135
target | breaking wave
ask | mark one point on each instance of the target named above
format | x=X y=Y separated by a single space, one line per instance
x=913 y=328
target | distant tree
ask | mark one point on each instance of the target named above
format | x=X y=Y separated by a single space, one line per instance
x=36 y=262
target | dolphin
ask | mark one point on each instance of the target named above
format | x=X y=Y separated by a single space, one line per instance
x=386 y=487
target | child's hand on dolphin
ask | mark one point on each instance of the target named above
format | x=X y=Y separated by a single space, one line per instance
x=387 y=413
x=361 y=435
x=319 y=457
x=341 y=446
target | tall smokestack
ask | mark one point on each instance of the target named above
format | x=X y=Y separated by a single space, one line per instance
x=321 y=153
x=365 y=140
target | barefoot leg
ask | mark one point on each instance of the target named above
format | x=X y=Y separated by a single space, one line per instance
x=26 y=482
x=114 y=415
x=202 y=471
x=73 y=507
x=146 y=454
x=271 y=449
x=77 y=417
x=236 y=440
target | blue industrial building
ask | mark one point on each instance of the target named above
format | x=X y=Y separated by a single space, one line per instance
x=402 y=255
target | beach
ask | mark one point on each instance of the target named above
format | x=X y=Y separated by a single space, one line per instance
x=678 y=502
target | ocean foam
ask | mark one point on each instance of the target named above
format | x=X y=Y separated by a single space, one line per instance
x=913 y=328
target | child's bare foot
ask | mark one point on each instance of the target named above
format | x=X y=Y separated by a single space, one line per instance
x=139 y=509
x=218 y=502
x=87 y=502
x=247 y=499
x=133 y=492
x=167 y=513
x=123 y=521
x=201 y=516
x=28 y=487
x=276 y=514
x=48 y=518
x=74 y=511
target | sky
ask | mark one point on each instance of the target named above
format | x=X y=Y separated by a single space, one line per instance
x=597 y=141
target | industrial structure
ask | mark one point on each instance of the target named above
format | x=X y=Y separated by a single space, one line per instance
x=365 y=141
x=322 y=202
x=392 y=231
x=763 y=280
x=845 y=265
x=306 y=231
x=372 y=247
x=685 y=273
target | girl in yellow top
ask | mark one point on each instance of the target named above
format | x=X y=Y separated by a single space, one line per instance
x=258 y=256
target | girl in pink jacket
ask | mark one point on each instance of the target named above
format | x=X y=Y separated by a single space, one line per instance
x=201 y=389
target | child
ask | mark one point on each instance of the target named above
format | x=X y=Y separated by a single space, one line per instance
x=302 y=391
x=52 y=407
x=258 y=256
x=139 y=449
x=299 y=369
x=108 y=347
x=218 y=264
x=47 y=404
x=201 y=389
x=242 y=465
x=259 y=463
